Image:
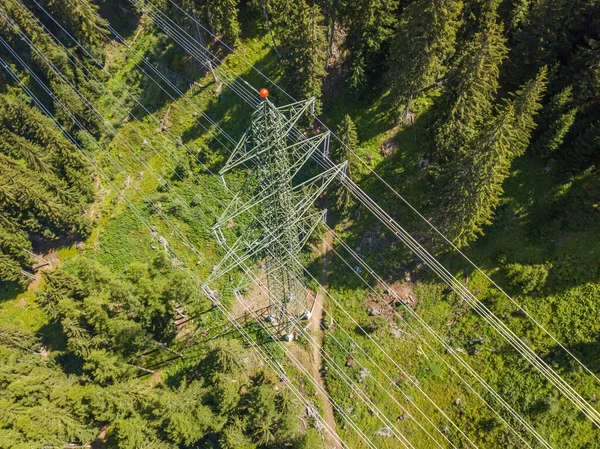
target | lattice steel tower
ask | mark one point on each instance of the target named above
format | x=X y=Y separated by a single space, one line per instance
x=283 y=216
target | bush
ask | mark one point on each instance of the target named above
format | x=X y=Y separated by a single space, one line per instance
x=528 y=278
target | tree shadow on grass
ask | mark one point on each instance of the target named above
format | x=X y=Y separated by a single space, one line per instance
x=52 y=336
x=122 y=18
x=545 y=218
x=588 y=353
x=226 y=108
x=10 y=290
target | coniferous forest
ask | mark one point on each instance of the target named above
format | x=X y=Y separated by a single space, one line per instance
x=475 y=125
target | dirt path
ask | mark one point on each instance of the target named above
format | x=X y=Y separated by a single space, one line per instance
x=316 y=360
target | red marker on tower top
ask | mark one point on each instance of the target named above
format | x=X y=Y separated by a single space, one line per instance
x=264 y=93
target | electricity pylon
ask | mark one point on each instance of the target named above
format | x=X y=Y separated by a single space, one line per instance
x=283 y=216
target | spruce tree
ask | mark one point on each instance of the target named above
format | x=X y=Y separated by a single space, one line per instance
x=469 y=92
x=369 y=24
x=50 y=60
x=346 y=131
x=552 y=32
x=513 y=14
x=424 y=41
x=282 y=13
x=472 y=185
x=13 y=244
x=587 y=86
x=36 y=401
x=46 y=143
x=233 y=437
x=82 y=20
x=10 y=268
x=220 y=15
x=301 y=34
x=583 y=150
x=557 y=119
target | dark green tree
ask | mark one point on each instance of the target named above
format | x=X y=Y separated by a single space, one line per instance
x=13 y=244
x=549 y=32
x=81 y=19
x=583 y=150
x=467 y=101
x=36 y=409
x=582 y=145
x=423 y=43
x=288 y=409
x=223 y=356
x=370 y=24
x=557 y=119
x=233 y=437
x=50 y=60
x=346 y=131
x=472 y=185
x=303 y=45
x=220 y=15
x=225 y=392
x=104 y=367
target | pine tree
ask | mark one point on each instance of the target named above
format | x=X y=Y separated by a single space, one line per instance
x=557 y=119
x=220 y=15
x=584 y=150
x=223 y=356
x=517 y=14
x=582 y=145
x=51 y=61
x=44 y=184
x=225 y=393
x=424 y=41
x=13 y=244
x=81 y=19
x=472 y=185
x=346 y=131
x=332 y=10
x=288 y=410
x=262 y=414
x=369 y=24
x=587 y=93
x=233 y=437
x=10 y=268
x=303 y=47
x=469 y=92
x=552 y=32
x=104 y=367
x=36 y=398
x=42 y=204
x=28 y=122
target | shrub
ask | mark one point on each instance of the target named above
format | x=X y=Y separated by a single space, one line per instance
x=528 y=278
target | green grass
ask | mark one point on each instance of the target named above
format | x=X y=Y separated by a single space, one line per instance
x=22 y=313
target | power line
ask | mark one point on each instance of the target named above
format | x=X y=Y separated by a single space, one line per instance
x=66 y=81
x=268 y=360
x=395 y=192
x=497 y=324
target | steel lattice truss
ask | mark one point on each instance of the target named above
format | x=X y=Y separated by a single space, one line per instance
x=282 y=210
